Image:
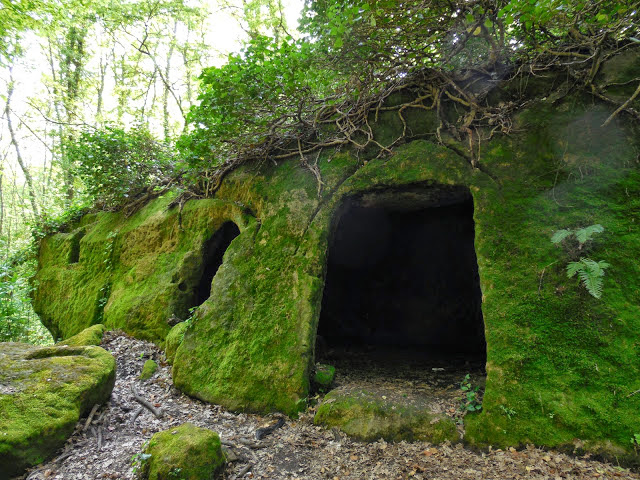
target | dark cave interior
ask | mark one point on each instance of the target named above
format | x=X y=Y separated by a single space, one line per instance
x=212 y=254
x=402 y=278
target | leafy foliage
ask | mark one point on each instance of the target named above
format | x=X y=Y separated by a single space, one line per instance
x=18 y=321
x=263 y=89
x=283 y=99
x=116 y=166
x=472 y=401
x=590 y=273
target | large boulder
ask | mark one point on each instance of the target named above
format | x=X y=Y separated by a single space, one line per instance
x=43 y=393
x=88 y=336
x=187 y=452
x=370 y=415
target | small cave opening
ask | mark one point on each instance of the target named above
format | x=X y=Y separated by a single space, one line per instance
x=402 y=289
x=212 y=253
x=74 y=251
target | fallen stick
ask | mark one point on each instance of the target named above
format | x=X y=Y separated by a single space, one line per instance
x=243 y=471
x=156 y=411
x=136 y=414
x=263 y=432
x=99 y=438
x=251 y=444
x=90 y=417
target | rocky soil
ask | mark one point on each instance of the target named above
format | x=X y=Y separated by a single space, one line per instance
x=105 y=445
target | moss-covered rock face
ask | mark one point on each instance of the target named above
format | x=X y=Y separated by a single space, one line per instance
x=89 y=336
x=174 y=339
x=186 y=452
x=563 y=361
x=129 y=273
x=323 y=376
x=43 y=393
x=369 y=416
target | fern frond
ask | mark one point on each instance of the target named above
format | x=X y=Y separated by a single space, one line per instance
x=573 y=268
x=584 y=234
x=590 y=273
x=591 y=281
x=560 y=235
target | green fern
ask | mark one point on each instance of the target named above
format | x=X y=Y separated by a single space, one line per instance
x=584 y=234
x=590 y=273
x=560 y=235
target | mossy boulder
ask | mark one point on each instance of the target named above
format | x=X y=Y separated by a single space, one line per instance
x=186 y=452
x=148 y=369
x=88 y=336
x=323 y=376
x=43 y=393
x=173 y=340
x=371 y=415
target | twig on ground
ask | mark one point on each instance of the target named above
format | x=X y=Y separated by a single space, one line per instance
x=243 y=471
x=90 y=417
x=136 y=414
x=156 y=411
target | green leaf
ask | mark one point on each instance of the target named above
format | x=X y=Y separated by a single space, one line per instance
x=560 y=235
x=584 y=234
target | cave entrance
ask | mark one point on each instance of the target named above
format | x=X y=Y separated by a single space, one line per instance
x=212 y=254
x=402 y=290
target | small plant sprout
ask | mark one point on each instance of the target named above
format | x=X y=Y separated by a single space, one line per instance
x=471 y=401
x=508 y=411
x=138 y=460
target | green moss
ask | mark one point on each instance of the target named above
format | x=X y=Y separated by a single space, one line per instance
x=89 y=336
x=323 y=376
x=133 y=273
x=148 y=369
x=186 y=452
x=370 y=416
x=43 y=393
x=174 y=339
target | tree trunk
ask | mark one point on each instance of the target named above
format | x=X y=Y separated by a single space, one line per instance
x=14 y=142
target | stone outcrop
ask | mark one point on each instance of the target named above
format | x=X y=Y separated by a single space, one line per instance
x=43 y=393
x=563 y=361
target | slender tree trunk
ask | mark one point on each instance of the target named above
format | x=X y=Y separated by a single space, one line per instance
x=14 y=142
x=56 y=105
x=167 y=73
x=104 y=64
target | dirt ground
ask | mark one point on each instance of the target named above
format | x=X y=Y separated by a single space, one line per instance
x=105 y=446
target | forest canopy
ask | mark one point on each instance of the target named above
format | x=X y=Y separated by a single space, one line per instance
x=134 y=98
